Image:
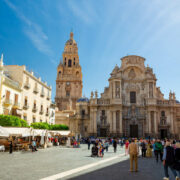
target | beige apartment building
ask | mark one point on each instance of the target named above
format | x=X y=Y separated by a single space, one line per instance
x=35 y=94
x=10 y=93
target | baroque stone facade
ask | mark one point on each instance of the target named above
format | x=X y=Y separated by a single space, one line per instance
x=69 y=77
x=132 y=105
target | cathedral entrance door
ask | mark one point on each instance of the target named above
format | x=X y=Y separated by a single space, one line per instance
x=163 y=133
x=103 y=132
x=134 y=131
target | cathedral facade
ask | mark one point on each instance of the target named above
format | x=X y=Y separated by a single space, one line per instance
x=131 y=106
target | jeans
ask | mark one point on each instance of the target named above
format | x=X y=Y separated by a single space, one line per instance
x=166 y=170
x=143 y=152
x=157 y=153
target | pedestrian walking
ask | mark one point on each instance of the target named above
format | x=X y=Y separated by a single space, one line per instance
x=89 y=143
x=106 y=144
x=158 y=150
x=176 y=165
x=126 y=147
x=133 y=152
x=143 y=148
x=168 y=161
x=115 y=145
x=10 y=148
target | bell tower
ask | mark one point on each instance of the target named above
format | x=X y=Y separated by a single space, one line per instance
x=69 y=77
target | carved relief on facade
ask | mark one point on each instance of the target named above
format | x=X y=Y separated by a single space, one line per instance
x=132 y=74
x=132 y=87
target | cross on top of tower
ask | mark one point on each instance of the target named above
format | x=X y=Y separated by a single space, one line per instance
x=71 y=35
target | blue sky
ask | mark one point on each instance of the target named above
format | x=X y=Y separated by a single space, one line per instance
x=34 y=32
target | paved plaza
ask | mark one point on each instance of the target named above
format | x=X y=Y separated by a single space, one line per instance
x=76 y=164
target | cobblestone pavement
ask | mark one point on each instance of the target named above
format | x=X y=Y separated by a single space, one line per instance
x=47 y=162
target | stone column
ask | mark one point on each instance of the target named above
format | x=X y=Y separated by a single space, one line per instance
x=155 y=122
x=91 y=122
x=114 y=121
x=95 y=122
x=149 y=120
x=111 y=122
x=120 y=118
x=114 y=89
x=172 y=121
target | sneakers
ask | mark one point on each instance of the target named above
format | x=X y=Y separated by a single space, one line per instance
x=165 y=178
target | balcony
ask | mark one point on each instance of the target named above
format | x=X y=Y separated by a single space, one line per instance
x=26 y=106
x=41 y=111
x=16 y=105
x=7 y=102
x=163 y=102
x=34 y=109
x=103 y=101
x=47 y=113
x=27 y=85
x=36 y=90
x=48 y=98
x=42 y=94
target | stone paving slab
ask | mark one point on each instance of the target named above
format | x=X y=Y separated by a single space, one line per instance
x=46 y=162
x=148 y=170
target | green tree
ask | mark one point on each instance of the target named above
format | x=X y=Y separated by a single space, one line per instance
x=12 y=121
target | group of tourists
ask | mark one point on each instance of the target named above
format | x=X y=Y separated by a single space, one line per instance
x=99 y=146
x=165 y=151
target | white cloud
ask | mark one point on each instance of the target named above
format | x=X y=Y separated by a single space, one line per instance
x=33 y=31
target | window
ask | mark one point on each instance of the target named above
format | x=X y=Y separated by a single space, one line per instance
x=103 y=112
x=59 y=74
x=34 y=119
x=69 y=63
x=7 y=95
x=27 y=79
x=16 y=98
x=67 y=94
x=163 y=113
x=132 y=97
x=83 y=112
x=77 y=73
x=34 y=104
x=25 y=101
x=25 y=117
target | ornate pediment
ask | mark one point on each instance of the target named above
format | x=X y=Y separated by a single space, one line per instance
x=132 y=87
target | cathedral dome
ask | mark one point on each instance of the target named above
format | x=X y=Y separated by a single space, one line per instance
x=83 y=99
x=71 y=41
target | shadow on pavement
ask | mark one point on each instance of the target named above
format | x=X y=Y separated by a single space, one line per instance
x=148 y=170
